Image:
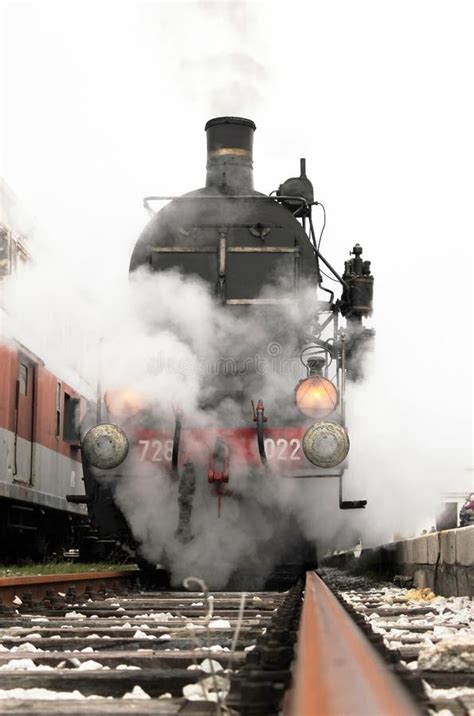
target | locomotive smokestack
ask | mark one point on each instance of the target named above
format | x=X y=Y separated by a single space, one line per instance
x=229 y=154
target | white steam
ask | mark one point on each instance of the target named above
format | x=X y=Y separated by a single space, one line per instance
x=107 y=105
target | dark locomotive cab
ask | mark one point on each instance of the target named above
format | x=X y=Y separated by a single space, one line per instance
x=234 y=238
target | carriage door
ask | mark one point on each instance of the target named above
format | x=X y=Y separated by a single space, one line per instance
x=24 y=419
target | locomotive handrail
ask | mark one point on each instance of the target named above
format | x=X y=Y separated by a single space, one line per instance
x=176 y=441
x=304 y=202
x=260 y=418
x=261 y=436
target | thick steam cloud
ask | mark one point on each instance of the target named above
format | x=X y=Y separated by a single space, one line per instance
x=163 y=338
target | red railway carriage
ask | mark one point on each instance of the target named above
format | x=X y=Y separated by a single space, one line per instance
x=39 y=451
x=40 y=458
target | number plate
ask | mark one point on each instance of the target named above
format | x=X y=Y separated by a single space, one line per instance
x=282 y=446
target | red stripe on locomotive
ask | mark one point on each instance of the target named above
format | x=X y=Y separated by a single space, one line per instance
x=282 y=445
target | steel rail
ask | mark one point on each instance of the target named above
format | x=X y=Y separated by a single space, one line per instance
x=337 y=671
x=38 y=585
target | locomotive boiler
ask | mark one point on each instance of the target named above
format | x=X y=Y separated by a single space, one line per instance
x=260 y=259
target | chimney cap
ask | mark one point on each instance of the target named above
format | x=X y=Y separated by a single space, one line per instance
x=230 y=120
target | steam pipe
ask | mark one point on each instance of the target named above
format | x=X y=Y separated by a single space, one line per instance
x=260 y=419
x=176 y=441
x=261 y=437
x=325 y=262
x=343 y=379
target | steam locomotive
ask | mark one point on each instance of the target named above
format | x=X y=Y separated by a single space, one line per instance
x=260 y=259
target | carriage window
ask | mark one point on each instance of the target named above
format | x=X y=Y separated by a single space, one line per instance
x=4 y=253
x=23 y=379
x=58 y=410
x=71 y=408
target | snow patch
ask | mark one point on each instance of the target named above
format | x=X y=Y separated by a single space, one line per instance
x=27 y=646
x=219 y=624
x=91 y=665
x=210 y=666
x=136 y=693
x=41 y=694
x=141 y=635
x=24 y=665
x=205 y=690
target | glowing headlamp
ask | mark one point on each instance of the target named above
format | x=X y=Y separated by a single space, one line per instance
x=316 y=396
x=105 y=446
x=123 y=402
x=326 y=444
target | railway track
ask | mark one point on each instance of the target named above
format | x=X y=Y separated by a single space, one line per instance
x=191 y=652
x=32 y=588
x=145 y=652
x=425 y=642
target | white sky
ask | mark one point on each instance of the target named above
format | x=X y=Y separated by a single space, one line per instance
x=104 y=103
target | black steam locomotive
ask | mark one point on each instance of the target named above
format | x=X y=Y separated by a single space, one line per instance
x=257 y=255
